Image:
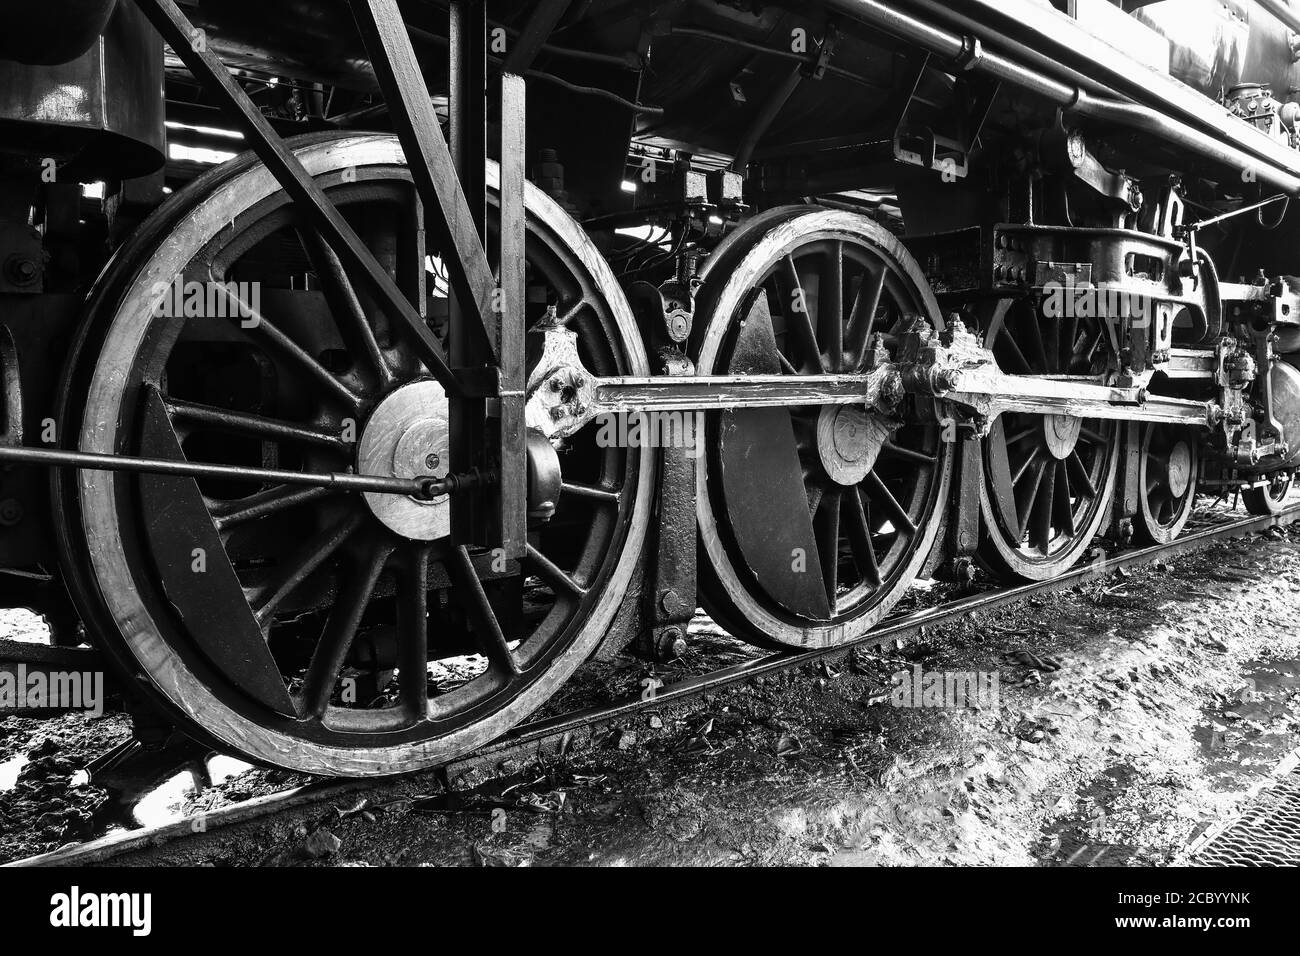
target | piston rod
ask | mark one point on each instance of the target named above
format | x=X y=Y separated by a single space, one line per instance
x=426 y=488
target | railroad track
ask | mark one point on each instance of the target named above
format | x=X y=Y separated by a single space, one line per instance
x=553 y=734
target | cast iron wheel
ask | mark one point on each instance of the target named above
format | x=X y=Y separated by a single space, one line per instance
x=815 y=520
x=1048 y=479
x=327 y=633
x=1167 y=477
x=1270 y=498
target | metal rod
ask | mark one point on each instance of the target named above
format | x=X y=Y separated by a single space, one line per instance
x=1236 y=212
x=308 y=196
x=1241 y=146
x=422 y=487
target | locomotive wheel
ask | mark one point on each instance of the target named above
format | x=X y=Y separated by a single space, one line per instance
x=1167 y=475
x=297 y=627
x=815 y=520
x=1268 y=499
x=1048 y=479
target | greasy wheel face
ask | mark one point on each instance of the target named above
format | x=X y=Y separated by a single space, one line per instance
x=1048 y=479
x=329 y=633
x=1167 y=476
x=815 y=520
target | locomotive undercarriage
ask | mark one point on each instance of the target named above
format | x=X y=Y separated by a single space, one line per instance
x=376 y=517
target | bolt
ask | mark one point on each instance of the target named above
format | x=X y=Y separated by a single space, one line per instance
x=432 y=462
x=669 y=601
x=557 y=385
x=11 y=512
x=670 y=644
x=22 y=270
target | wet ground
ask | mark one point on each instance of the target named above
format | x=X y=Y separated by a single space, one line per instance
x=1128 y=716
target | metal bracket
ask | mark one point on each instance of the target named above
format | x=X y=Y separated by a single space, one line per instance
x=918 y=144
x=671 y=599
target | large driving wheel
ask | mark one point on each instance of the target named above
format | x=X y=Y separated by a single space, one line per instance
x=1048 y=479
x=814 y=519
x=1167 y=475
x=325 y=632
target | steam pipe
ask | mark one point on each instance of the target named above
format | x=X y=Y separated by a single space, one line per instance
x=1245 y=149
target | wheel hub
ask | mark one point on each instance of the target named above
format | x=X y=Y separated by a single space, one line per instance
x=1062 y=434
x=1180 y=469
x=849 y=442
x=408 y=436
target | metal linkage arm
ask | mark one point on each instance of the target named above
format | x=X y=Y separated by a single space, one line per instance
x=446 y=207
x=191 y=46
x=425 y=488
x=563 y=396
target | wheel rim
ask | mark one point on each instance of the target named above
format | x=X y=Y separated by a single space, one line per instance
x=1269 y=499
x=575 y=581
x=1167 y=477
x=870 y=490
x=1048 y=479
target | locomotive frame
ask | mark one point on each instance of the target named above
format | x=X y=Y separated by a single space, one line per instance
x=937 y=411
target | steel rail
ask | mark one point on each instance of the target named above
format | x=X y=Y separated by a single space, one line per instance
x=544 y=736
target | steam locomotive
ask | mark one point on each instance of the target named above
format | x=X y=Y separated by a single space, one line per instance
x=347 y=432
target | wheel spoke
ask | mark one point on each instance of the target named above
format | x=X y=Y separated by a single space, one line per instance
x=826 y=529
x=798 y=320
x=1014 y=348
x=1040 y=346
x=299 y=566
x=1079 y=475
x=1026 y=508
x=1023 y=434
x=571 y=313
x=559 y=581
x=413 y=632
x=340 y=631
x=590 y=492
x=862 y=320
x=1064 y=516
x=259 y=327
x=231 y=514
x=257 y=426
x=341 y=294
x=909 y=454
x=830 y=307
x=1067 y=344
x=1032 y=457
x=1040 y=534
x=898 y=515
x=859 y=530
x=487 y=629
